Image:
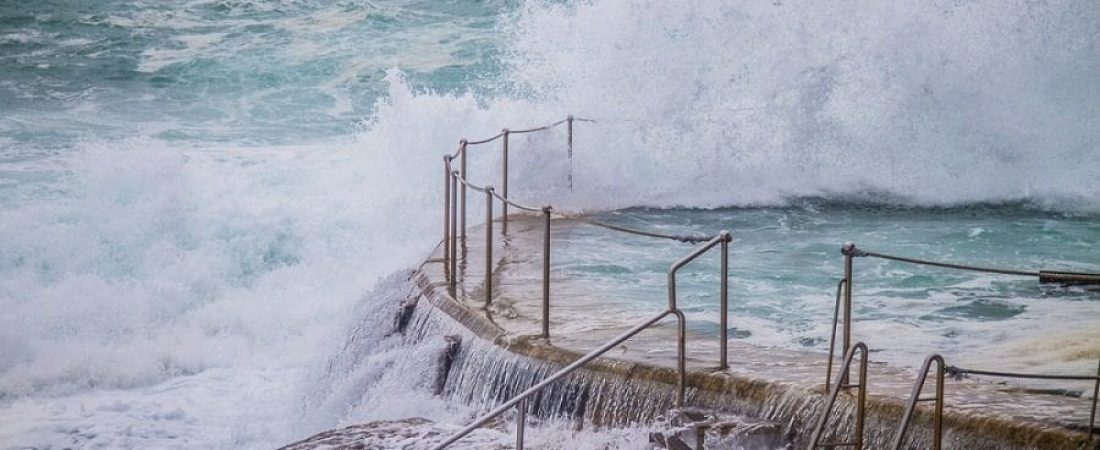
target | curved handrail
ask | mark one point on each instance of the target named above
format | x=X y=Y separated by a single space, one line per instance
x=911 y=405
x=861 y=398
x=723 y=238
x=554 y=377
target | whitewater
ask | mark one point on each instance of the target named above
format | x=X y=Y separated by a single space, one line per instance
x=201 y=201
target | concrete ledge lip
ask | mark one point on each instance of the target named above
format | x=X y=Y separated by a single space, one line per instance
x=703 y=381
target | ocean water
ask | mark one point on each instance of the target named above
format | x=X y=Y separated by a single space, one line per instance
x=196 y=196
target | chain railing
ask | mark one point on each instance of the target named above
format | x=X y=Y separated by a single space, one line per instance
x=455 y=191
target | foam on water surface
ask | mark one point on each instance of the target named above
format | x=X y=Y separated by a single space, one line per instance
x=199 y=192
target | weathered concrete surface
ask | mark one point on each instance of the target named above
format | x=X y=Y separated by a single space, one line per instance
x=768 y=383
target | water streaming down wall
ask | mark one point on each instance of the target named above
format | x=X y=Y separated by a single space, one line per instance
x=433 y=352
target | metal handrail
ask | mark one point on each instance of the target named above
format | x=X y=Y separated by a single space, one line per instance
x=911 y=405
x=832 y=340
x=850 y=252
x=523 y=396
x=944 y=370
x=723 y=238
x=861 y=399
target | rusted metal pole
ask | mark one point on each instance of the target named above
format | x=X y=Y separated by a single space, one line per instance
x=462 y=171
x=454 y=234
x=504 y=181
x=521 y=422
x=937 y=419
x=447 y=216
x=848 y=250
x=723 y=363
x=488 y=245
x=546 y=272
x=1092 y=415
x=569 y=137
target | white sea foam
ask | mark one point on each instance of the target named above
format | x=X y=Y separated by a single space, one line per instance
x=148 y=272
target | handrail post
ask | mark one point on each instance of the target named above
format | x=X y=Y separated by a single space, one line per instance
x=521 y=422
x=462 y=164
x=723 y=362
x=861 y=399
x=504 y=181
x=848 y=250
x=1092 y=415
x=454 y=234
x=546 y=272
x=488 y=245
x=447 y=216
x=569 y=140
x=914 y=398
x=832 y=337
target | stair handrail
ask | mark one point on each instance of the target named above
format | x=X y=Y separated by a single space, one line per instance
x=911 y=405
x=850 y=252
x=861 y=399
x=944 y=370
x=523 y=396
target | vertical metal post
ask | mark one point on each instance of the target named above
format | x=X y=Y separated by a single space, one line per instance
x=546 y=272
x=681 y=357
x=488 y=245
x=447 y=216
x=521 y=422
x=848 y=250
x=569 y=137
x=861 y=397
x=454 y=234
x=937 y=420
x=723 y=362
x=1092 y=415
x=504 y=181
x=462 y=170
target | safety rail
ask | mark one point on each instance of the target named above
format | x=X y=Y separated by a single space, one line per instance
x=861 y=400
x=521 y=398
x=456 y=187
x=911 y=405
x=844 y=288
x=943 y=371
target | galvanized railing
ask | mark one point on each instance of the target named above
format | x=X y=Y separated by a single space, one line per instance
x=861 y=400
x=520 y=400
x=456 y=188
x=943 y=370
x=844 y=297
x=845 y=286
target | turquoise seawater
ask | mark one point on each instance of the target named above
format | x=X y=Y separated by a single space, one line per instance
x=195 y=195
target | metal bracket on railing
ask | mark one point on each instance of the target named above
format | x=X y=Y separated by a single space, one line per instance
x=815 y=439
x=911 y=405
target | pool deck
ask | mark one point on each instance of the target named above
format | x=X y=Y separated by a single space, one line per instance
x=977 y=410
